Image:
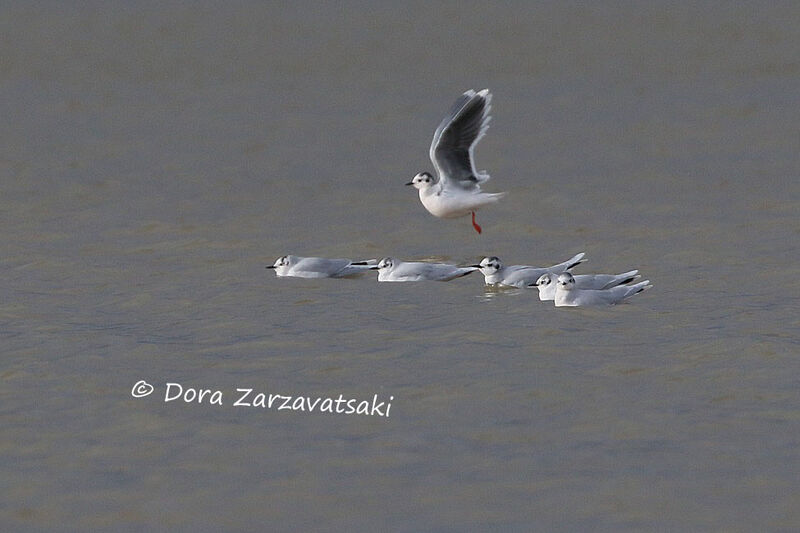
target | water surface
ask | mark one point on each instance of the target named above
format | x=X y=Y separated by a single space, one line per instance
x=155 y=158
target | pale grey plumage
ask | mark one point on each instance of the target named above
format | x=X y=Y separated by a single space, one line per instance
x=567 y=295
x=520 y=276
x=390 y=269
x=319 y=267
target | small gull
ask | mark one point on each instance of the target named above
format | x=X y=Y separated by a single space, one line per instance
x=548 y=281
x=568 y=295
x=520 y=276
x=319 y=267
x=456 y=191
x=392 y=270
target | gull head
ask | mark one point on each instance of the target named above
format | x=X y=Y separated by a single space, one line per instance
x=489 y=265
x=422 y=181
x=282 y=261
x=282 y=265
x=386 y=262
x=566 y=281
x=544 y=280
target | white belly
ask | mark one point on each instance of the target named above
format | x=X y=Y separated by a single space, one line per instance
x=445 y=205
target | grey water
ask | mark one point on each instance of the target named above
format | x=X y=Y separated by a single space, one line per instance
x=155 y=157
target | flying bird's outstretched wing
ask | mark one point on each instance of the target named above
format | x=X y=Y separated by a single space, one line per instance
x=456 y=137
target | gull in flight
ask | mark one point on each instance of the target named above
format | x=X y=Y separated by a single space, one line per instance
x=548 y=281
x=520 y=276
x=319 y=267
x=568 y=295
x=456 y=189
x=392 y=270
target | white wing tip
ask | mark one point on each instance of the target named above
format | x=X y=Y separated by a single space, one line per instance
x=486 y=94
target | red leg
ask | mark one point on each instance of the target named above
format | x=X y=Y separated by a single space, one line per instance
x=475 y=224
